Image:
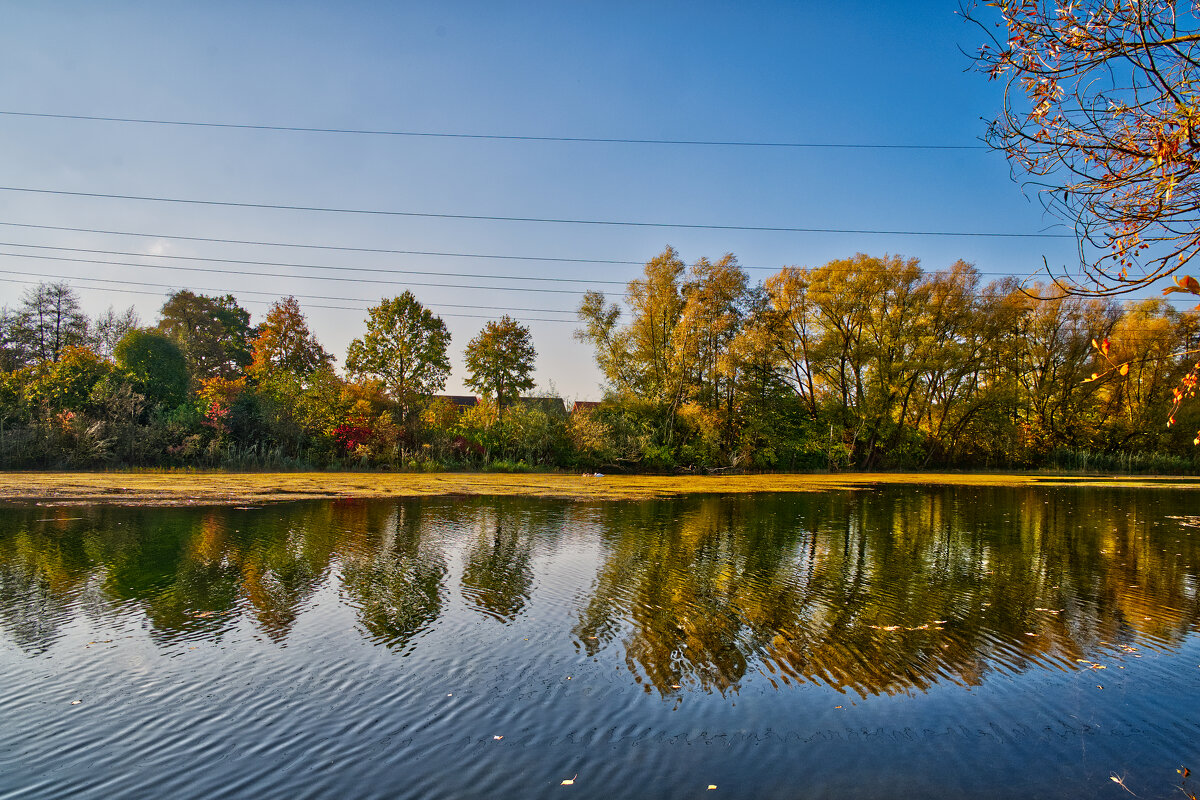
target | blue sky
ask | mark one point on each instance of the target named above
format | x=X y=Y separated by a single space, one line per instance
x=850 y=72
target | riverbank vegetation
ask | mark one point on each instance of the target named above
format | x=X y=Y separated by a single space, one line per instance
x=865 y=363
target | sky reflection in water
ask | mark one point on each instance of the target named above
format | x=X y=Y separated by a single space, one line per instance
x=1006 y=641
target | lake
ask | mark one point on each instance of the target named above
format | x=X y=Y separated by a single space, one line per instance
x=901 y=642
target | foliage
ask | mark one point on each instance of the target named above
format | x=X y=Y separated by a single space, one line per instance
x=500 y=361
x=48 y=321
x=156 y=366
x=405 y=347
x=863 y=363
x=214 y=333
x=1102 y=109
x=285 y=344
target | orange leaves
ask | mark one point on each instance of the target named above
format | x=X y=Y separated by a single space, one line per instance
x=1123 y=147
x=1186 y=284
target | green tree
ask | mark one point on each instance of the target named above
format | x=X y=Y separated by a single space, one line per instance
x=214 y=333
x=500 y=361
x=156 y=366
x=404 y=347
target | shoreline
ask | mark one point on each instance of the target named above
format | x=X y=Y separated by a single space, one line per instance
x=247 y=488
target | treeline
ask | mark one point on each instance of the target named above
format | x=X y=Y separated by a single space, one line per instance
x=864 y=363
x=873 y=363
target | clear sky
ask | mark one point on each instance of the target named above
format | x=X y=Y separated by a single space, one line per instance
x=814 y=72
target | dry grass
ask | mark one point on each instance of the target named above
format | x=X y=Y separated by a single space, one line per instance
x=168 y=488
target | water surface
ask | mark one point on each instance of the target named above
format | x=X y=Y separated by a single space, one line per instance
x=937 y=642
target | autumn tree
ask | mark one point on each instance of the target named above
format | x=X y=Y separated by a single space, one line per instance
x=405 y=347
x=500 y=361
x=1102 y=110
x=214 y=333
x=639 y=358
x=285 y=344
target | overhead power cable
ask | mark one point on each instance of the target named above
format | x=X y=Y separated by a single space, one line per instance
x=344 y=248
x=278 y=275
x=253 y=292
x=384 y=270
x=496 y=136
x=340 y=248
x=552 y=220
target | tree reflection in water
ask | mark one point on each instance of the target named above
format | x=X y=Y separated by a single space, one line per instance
x=868 y=592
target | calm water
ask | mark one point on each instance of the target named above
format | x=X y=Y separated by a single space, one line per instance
x=903 y=642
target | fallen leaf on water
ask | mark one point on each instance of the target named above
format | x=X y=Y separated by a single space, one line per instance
x=712 y=786
x=837 y=706
x=569 y=781
x=675 y=686
x=497 y=738
x=76 y=702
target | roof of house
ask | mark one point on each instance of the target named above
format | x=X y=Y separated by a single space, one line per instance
x=460 y=400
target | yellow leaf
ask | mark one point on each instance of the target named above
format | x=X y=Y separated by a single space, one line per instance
x=569 y=781
x=1124 y=369
x=712 y=786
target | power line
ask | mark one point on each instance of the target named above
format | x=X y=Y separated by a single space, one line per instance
x=342 y=248
x=249 y=291
x=384 y=270
x=278 y=275
x=257 y=274
x=552 y=220
x=338 y=248
x=496 y=136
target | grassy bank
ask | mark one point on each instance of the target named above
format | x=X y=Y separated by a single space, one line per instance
x=74 y=488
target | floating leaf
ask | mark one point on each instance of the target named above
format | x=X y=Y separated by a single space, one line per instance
x=569 y=781
x=712 y=786
x=497 y=738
